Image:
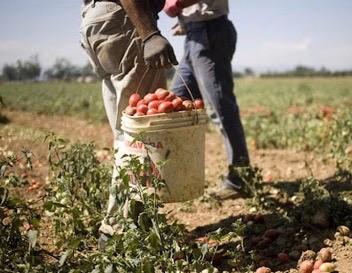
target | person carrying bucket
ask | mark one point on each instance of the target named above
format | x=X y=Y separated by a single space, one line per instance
x=206 y=67
x=122 y=41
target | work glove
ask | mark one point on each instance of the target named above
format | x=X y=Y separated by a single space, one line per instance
x=158 y=53
x=173 y=7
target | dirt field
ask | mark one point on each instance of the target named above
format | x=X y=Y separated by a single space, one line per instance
x=278 y=166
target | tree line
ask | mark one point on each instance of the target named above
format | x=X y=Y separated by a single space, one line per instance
x=306 y=71
x=63 y=69
x=31 y=70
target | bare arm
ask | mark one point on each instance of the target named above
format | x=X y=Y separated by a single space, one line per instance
x=174 y=8
x=157 y=51
x=141 y=15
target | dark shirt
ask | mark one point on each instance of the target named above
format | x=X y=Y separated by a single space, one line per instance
x=157 y=5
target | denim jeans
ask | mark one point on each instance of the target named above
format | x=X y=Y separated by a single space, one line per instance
x=206 y=68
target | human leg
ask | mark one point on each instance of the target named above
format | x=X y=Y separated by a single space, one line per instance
x=185 y=71
x=211 y=52
x=115 y=51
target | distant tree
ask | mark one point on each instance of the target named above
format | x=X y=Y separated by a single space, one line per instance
x=324 y=72
x=237 y=74
x=305 y=71
x=22 y=70
x=301 y=70
x=33 y=68
x=10 y=73
x=86 y=70
x=62 y=70
x=248 y=72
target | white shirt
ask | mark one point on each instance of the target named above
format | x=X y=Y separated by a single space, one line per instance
x=205 y=10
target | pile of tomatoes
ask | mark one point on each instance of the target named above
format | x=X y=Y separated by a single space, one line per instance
x=161 y=101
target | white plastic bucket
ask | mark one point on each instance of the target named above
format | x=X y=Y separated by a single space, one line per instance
x=178 y=140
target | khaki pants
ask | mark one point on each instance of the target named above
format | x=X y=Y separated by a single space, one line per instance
x=115 y=51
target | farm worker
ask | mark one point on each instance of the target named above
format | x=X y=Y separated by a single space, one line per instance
x=124 y=45
x=206 y=67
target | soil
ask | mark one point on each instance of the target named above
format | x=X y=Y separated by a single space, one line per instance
x=26 y=130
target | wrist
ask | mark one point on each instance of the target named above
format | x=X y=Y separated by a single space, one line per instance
x=150 y=35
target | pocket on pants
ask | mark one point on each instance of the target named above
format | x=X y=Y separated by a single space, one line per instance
x=97 y=67
x=113 y=46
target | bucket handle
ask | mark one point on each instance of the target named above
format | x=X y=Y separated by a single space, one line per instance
x=142 y=79
x=196 y=116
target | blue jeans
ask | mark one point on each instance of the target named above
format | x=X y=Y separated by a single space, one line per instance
x=206 y=68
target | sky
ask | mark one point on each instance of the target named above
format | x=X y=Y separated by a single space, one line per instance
x=273 y=34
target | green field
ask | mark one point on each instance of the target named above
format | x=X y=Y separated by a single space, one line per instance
x=84 y=100
x=279 y=94
x=53 y=195
x=277 y=113
x=62 y=98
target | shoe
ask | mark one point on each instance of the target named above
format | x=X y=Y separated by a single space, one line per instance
x=232 y=187
x=224 y=192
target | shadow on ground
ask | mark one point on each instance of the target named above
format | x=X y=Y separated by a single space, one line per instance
x=298 y=215
x=4 y=119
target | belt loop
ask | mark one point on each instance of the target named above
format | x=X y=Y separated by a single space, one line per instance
x=93 y=3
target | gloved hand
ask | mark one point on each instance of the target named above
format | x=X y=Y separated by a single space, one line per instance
x=173 y=7
x=158 y=53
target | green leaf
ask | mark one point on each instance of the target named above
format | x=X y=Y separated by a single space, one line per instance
x=144 y=221
x=48 y=205
x=74 y=243
x=204 y=249
x=135 y=209
x=148 y=266
x=3 y=195
x=154 y=240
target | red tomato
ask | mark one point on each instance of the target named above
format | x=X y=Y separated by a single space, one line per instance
x=188 y=105
x=154 y=104
x=142 y=108
x=130 y=110
x=318 y=263
x=177 y=102
x=263 y=269
x=150 y=97
x=165 y=107
x=152 y=111
x=134 y=98
x=141 y=102
x=161 y=93
x=139 y=114
x=306 y=267
x=170 y=97
x=199 y=104
x=180 y=108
